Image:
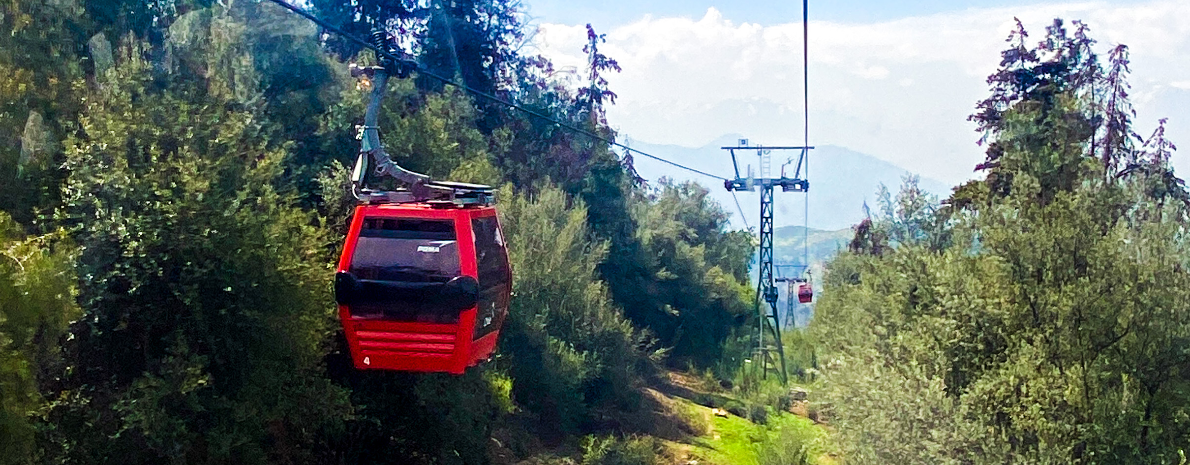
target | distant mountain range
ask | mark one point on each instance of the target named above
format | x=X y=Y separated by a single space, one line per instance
x=841 y=181
x=789 y=254
x=789 y=249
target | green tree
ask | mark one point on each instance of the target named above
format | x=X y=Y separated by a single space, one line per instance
x=1050 y=324
x=259 y=56
x=698 y=291
x=40 y=43
x=912 y=217
x=204 y=290
x=37 y=289
x=566 y=345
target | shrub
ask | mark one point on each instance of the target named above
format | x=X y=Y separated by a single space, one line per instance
x=566 y=345
x=205 y=290
x=736 y=408
x=758 y=414
x=610 y=450
x=36 y=303
x=789 y=447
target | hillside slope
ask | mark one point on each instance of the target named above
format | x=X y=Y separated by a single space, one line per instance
x=789 y=244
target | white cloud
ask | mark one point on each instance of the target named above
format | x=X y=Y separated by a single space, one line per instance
x=872 y=72
x=900 y=90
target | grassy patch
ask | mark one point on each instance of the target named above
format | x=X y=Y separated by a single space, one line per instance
x=786 y=430
x=733 y=440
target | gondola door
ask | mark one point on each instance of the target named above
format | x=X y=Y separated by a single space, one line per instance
x=495 y=282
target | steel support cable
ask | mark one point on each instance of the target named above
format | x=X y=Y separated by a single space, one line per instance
x=483 y=94
x=741 y=209
x=806 y=128
x=806 y=73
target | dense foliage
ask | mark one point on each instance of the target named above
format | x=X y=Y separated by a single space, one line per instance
x=565 y=339
x=171 y=204
x=37 y=293
x=1039 y=315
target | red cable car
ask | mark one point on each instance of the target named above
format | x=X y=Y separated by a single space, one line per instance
x=805 y=293
x=423 y=287
x=805 y=290
x=424 y=282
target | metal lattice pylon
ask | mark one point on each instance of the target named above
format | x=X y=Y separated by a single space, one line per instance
x=768 y=328
x=766 y=290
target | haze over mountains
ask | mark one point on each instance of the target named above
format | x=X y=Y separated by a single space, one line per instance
x=841 y=180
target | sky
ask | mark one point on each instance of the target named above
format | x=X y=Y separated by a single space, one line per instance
x=895 y=80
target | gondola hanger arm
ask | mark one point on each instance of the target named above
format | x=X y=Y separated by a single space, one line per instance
x=370 y=146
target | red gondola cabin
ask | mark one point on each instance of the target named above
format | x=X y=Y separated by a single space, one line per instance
x=805 y=293
x=423 y=287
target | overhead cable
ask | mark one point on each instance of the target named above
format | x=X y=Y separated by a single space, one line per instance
x=741 y=209
x=485 y=95
x=806 y=121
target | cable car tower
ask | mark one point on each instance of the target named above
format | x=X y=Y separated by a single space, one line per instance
x=769 y=319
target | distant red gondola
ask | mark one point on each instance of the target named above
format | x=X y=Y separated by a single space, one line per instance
x=805 y=293
x=423 y=287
